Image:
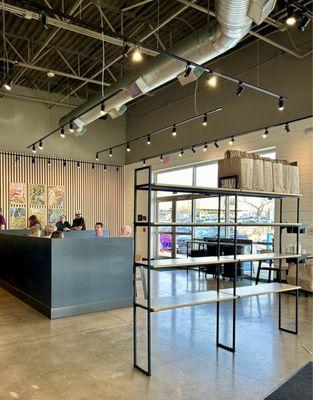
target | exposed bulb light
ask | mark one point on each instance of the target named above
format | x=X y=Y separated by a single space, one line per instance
x=110 y=153
x=62 y=134
x=137 y=56
x=264 y=136
x=97 y=156
x=174 y=132
x=34 y=149
x=49 y=162
x=93 y=166
x=212 y=80
x=287 y=129
x=102 y=109
x=71 y=127
x=40 y=145
x=50 y=74
x=216 y=144
x=187 y=70
x=181 y=153
x=193 y=149
x=205 y=119
x=148 y=139
x=231 y=141
x=305 y=20
x=281 y=104
x=105 y=168
x=205 y=147
x=78 y=164
x=291 y=19
x=240 y=89
x=128 y=147
x=161 y=157
x=8 y=83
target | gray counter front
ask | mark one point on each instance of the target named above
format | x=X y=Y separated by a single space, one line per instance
x=71 y=276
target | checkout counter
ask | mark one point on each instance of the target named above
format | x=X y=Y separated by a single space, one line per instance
x=64 y=277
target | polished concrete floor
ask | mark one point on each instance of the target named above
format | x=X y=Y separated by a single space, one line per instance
x=90 y=357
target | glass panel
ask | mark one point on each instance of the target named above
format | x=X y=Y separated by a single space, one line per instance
x=175 y=177
x=206 y=175
x=183 y=214
x=181 y=245
x=164 y=214
x=206 y=210
x=164 y=244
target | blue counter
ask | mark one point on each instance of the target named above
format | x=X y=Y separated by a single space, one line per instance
x=70 y=276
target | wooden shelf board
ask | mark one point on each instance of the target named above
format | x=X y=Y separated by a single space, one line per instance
x=187 y=300
x=201 y=261
x=257 y=290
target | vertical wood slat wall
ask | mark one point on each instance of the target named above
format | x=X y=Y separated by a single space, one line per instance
x=97 y=193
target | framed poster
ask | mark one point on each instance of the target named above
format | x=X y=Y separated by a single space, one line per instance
x=56 y=196
x=41 y=214
x=17 y=218
x=17 y=193
x=54 y=215
x=37 y=195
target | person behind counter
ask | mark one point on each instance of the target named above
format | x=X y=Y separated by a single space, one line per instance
x=3 y=222
x=78 y=222
x=99 y=230
x=125 y=231
x=63 y=225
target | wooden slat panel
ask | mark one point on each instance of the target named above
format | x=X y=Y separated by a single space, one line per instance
x=98 y=194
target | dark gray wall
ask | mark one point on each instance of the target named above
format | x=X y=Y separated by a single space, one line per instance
x=277 y=71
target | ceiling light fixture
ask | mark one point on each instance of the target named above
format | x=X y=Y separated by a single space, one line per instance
x=291 y=19
x=71 y=127
x=193 y=149
x=93 y=166
x=205 y=119
x=264 y=136
x=126 y=49
x=78 y=164
x=128 y=147
x=181 y=153
x=231 y=141
x=137 y=56
x=216 y=144
x=50 y=74
x=305 y=20
x=161 y=157
x=174 y=132
x=34 y=149
x=144 y=162
x=64 y=163
x=287 y=129
x=33 y=160
x=187 y=70
x=281 y=104
x=97 y=156
x=148 y=139
x=110 y=153
x=102 y=109
x=62 y=134
x=8 y=83
x=49 y=162
x=105 y=168
x=205 y=147
x=40 y=146
x=212 y=79
x=240 y=89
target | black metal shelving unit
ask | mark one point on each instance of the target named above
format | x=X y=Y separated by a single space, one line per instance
x=212 y=296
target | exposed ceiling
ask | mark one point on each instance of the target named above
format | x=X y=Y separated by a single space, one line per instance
x=77 y=59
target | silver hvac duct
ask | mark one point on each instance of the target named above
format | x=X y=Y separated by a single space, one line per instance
x=233 y=21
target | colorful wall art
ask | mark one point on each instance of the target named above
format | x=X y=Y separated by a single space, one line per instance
x=56 y=196
x=17 y=193
x=18 y=218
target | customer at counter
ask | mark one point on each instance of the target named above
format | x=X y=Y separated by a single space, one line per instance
x=57 y=235
x=3 y=222
x=48 y=230
x=125 y=231
x=78 y=222
x=63 y=225
x=35 y=231
x=34 y=221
